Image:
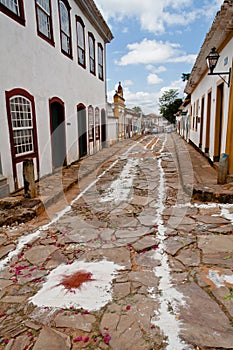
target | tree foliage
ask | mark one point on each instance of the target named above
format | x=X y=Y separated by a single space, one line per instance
x=137 y=109
x=169 y=104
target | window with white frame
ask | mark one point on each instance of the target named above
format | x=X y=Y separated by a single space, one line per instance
x=91 y=123
x=44 y=19
x=100 y=62
x=22 y=125
x=65 y=30
x=14 y=9
x=97 y=123
x=81 y=42
x=91 y=41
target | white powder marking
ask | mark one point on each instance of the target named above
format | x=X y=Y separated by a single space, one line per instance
x=219 y=280
x=227 y=215
x=170 y=298
x=28 y=238
x=91 y=295
x=120 y=189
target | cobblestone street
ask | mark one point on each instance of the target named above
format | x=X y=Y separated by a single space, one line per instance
x=125 y=260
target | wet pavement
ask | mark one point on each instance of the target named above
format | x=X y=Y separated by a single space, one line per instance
x=124 y=260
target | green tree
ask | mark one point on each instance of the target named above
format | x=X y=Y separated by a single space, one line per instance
x=137 y=109
x=169 y=104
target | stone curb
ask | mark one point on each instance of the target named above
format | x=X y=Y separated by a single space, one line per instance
x=198 y=191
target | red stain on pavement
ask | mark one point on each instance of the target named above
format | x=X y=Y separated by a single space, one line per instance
x=76 y=280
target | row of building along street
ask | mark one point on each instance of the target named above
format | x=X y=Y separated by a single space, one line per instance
x=114 y=234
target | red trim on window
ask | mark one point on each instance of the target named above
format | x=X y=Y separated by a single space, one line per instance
x=79 y=20
x=66 y=3
x=20 y=19
x=91 y=36
x=19 y=159
x=100 y=47
x=39 y=33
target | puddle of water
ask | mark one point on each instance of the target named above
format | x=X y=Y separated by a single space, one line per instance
x=91 y=293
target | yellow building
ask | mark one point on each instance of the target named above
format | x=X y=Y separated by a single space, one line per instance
x=119 y=111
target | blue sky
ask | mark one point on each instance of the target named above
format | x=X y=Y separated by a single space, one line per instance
x=155 y=41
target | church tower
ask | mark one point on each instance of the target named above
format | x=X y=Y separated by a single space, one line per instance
x=119 y=111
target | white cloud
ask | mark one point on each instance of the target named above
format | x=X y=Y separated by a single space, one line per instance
x=153 y=79
x=127 y=82
x=154 y=52
x=153 y=15
x=155 y=70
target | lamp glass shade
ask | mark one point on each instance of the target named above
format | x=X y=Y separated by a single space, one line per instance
x=212 y=59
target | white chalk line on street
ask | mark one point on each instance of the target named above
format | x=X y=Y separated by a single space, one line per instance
x=170 y=297
x=24 y=240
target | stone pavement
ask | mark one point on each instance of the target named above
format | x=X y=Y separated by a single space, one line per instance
x=170 y=263
x=199 y=181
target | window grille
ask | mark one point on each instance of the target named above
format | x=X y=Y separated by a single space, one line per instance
x=22 y=125
x=81 y=43
x=44 y=18
x=100 y=62
x=65 y=28
x=91 y=123
x=97 y=123
x=12 y=5
x=92 y=53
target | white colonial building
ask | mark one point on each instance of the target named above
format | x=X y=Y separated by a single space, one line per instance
x=53 y=84
x=211 y=105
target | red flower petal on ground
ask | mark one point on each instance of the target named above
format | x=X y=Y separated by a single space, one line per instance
x=128 y=307
x=107 y=338
x=78 y=339
x=86 y=339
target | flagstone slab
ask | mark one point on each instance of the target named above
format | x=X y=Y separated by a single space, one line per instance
x=224 y=259
x=121 y=290
x=21 y=343
x=215 y=244
x=4 y=250
x=225 y=297
x=14 y=299
x=226 y=229
x=82 y=236
x=145 y=243
x=203 y=322
x=174 y=244
x=39 y=254
x=81 y=322
x=3 y=240
x=146 y=259
x=127 y=326
x=131 y=233
x=52 y=340
x=209 y=219
x=147 y=220
x=189 y=257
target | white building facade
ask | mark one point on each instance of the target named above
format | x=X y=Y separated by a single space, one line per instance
x=53 y=84
x=211 y=106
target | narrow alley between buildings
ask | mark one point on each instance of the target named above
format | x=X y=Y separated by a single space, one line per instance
x=126 y=260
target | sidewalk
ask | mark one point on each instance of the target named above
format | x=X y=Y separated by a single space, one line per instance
x=17 y=209
x=201 y=181
x=198 y=177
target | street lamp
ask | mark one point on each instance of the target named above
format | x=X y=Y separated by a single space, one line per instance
x=212 y=60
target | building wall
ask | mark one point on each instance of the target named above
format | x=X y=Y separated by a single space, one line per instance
x=31 y=63
x=206 y=85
